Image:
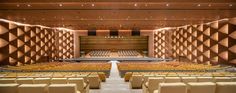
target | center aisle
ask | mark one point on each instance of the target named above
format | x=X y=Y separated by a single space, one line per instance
x=115 y=84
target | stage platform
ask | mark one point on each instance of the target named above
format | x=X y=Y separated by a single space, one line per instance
x=115 y=59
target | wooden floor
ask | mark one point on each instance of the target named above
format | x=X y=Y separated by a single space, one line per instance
x=115 y=84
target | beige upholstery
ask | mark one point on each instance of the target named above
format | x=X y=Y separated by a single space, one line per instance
x=85 y=77
x=8 y=88
x=171 y=88
x=225 y=87
x=102 y=76
x=62 y=88
x=7 y=80
x=33 y=88
x=152 y=84
x=136 y=81
x=222 y=79
x=42 y=81
x=94 y=82
x=201 y=87
x=188 y=79
x=127 y=76
x=233 y=79
x=81 y=85
x=25 y=80
x=172 y=79
x=58 y=80
x=205 y=79
x=145 y=78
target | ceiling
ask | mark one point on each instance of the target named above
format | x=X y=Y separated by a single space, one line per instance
x=116 y=14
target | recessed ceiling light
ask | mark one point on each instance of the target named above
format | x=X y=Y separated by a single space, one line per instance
x=28 y=5
x=135 y=4
x=199 y=5
x=18 y=5
x=82 y=4
x=209 y=5
x=92 y=4
x=167 y=4
x=60 y=4
x=146 y=4
x=230 y=5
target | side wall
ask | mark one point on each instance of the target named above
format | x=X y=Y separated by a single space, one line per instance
x=30 y=44
x=213 y=43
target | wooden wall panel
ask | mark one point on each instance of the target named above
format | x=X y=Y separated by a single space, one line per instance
x=21 y=45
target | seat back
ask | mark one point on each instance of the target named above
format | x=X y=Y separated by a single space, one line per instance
x=62 y=88
x=172 y=79
x=225 y=87
x=59 y=81
x=94 y=81
x=33 y=88
x=153 y=83
x=205 y=79
x=8 y=88
x=222 y=79
x=42 y=81
x=7 y=80
x=25 y=80
x=188 y=79
x=78 y=81
x=172 y=88
x=201 y=87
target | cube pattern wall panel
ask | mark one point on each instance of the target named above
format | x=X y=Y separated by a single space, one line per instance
x=162 y=44
x=213 y=43
x=30 y=44
x=64 y=44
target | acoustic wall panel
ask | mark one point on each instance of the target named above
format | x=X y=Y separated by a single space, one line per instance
x=213 y=42
x=21 y=45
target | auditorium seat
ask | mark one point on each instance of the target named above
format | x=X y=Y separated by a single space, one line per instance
x=233 y=79
x=152 y=84
x=42 y=81
x=7 y=80
x=59 y=81
x=127 y=76
x=136 y=81
x=102 y=76
x=201 y=87
x=9 y=88
x=62 y=88
x=81 y=85
x=94 y=82
x=225 y=87
x=33 y=88
x=145 y=77
x=205 y=79
x=172 y=79
x=25 y=80
x=171 y=88
x=188 y=79
x=222 y=79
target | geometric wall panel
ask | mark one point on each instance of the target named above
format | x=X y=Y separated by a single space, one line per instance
x=213 y=43
x=21 y=45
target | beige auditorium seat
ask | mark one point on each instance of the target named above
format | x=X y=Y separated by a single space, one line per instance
x=62 y=88
x=42 y=81
x=94 y=82
x=102 y=76
x=145 y=77
x=205 y=79
x=188 y=79
x=225 y=87
x=172 y=79
x=233 y=79
x=81 y=85
x=201 y=87
x=25 y=80
x=7 y=80
x=222 y=79
x=136 y=81
x=172 y=88
x=127 y=76
x=152 y=84
x=8 y=88
x=33 y=88
x=85 y=77
x=59 y=81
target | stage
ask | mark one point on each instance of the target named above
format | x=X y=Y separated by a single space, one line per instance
x=115 y=59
